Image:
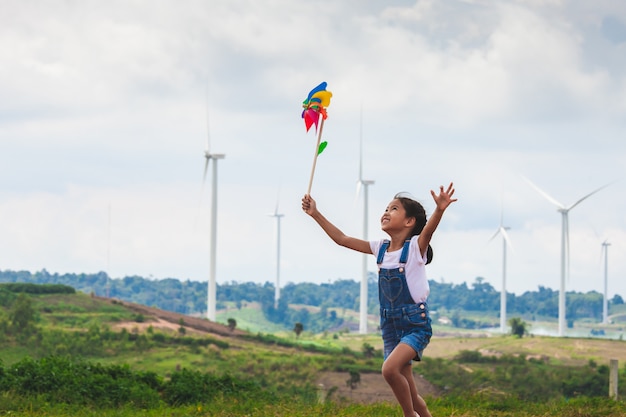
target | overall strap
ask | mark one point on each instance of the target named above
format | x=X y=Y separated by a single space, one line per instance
x=405 y=252
x=381 y=251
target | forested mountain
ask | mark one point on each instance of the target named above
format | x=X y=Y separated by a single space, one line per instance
x=190 y=297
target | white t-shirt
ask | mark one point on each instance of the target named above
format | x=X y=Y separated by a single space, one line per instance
x=414 y=269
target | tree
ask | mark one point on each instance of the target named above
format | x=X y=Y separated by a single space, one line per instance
x=298 y=328
x=232 y=323
x=518 y=327
x=353 y=381
x=22 y=316
x=368 y=350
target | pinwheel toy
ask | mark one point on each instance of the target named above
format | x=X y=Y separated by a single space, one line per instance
x=315 y=106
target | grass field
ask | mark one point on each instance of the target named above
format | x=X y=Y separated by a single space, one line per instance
x=567 y=351
x=471 y=407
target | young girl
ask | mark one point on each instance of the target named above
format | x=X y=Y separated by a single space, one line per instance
x=402 y=285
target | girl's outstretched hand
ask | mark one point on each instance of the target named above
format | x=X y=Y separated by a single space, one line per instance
x=308 y=205
x=444 y=198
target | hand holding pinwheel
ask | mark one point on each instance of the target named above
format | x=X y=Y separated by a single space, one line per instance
x=314 y=106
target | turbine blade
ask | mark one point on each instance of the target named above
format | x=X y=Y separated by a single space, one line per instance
x=505 y=235
x=589 y=195
x=501 y=209
x=544 y=194
x=495 y=234
x=208 y=121
x=201 y=194
x=206 y=168
x=277 y=199
x=361 y=145
x=602 y=249
x=358 y=192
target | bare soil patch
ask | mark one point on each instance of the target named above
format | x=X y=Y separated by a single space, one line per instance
x=167 y=319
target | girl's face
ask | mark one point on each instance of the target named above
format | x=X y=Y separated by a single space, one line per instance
x=394 y=217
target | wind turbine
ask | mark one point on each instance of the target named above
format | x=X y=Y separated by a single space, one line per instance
x=564 y=245
x=605 y=303
x=208 y=157
x=277 y=288
x=505 y=240
x=361 y=183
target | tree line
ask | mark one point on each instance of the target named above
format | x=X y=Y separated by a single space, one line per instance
x=189 y=297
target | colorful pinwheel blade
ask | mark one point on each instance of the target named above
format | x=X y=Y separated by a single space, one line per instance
x=311 y=117
x=320 y=87
x=323 y=96
x=315 y=104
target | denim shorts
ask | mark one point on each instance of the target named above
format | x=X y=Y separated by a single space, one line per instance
x=410 y=325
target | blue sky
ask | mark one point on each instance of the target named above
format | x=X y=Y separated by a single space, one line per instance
x=103 y=125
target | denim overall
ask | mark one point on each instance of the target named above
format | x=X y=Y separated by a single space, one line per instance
x=401 y=319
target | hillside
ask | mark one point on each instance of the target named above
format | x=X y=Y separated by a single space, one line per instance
x=372 y=387
x=73 y=312
x=146 y=338
x=168 y=320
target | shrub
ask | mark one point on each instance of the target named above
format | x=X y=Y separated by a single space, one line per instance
x=191 y=387
x=63 y=380
x=28 y=288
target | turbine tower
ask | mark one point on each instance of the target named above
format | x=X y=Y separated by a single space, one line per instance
x=108 y=285
x=605 y=302
x=208 y=157
x=505 y=240
x=564 y=245
x=361 y=183
x=277 y=288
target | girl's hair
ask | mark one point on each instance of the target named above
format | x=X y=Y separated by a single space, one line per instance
x=414 y=209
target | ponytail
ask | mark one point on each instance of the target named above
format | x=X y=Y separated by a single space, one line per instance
x=414 y=209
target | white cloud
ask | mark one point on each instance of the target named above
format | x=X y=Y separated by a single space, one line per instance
x=107 y=106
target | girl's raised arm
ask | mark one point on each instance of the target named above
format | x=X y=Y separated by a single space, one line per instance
x=442 y=201
x=310 y=207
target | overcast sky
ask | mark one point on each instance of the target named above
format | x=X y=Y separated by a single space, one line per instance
x=103 y=127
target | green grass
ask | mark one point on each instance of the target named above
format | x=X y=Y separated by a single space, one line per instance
x=77 y=311
x=249 y=318
x=228 y=407
x=560 y=351
x=11 y=353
